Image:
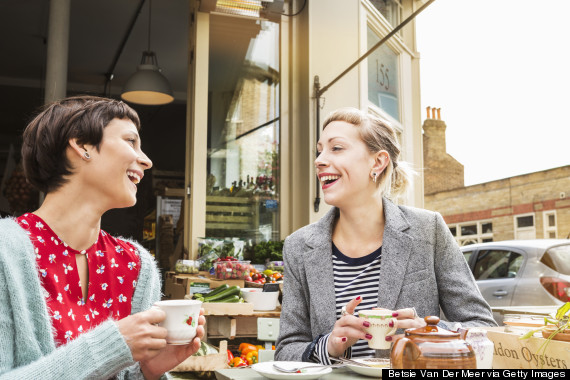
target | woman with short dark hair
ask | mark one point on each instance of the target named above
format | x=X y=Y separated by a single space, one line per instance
x=75 y=302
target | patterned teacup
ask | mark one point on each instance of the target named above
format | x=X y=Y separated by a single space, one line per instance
x=379 y=320
x=181 y=319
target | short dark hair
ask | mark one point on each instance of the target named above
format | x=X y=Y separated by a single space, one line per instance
x=47 y=136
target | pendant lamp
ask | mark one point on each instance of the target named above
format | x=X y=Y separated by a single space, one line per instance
x=147 y=85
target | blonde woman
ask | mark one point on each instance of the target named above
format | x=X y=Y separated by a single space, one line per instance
x=368 y=252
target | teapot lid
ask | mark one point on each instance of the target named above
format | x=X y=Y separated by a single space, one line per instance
x=432 y=329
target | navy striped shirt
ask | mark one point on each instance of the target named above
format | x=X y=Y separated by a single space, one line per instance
x=353 y=277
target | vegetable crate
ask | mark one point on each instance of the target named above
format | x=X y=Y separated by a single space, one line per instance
x=210 y=362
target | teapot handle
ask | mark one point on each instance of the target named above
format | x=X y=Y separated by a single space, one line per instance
x=396 y=356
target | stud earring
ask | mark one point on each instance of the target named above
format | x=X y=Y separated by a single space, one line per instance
x=374 y=177
x=86 y=155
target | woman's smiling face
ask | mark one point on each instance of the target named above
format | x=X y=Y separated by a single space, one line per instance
x=344 y=165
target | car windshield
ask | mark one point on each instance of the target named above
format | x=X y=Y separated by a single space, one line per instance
x=558 y=258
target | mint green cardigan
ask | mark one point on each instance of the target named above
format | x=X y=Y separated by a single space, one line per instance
x=27 y=347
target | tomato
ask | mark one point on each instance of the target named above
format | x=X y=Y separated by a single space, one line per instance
x=248 y=278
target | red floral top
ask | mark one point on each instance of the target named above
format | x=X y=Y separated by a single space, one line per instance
x=113 y=271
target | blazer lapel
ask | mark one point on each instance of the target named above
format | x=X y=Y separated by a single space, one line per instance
x=396 y=247
x=319 y=270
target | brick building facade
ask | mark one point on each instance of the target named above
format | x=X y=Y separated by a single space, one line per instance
x=529 y=206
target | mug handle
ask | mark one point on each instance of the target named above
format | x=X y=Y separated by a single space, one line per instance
x=394 y=329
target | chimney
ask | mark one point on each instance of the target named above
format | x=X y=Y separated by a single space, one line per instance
x=434 y=133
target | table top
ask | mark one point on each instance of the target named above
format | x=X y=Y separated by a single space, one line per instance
x=536 y=310
x=250 y=374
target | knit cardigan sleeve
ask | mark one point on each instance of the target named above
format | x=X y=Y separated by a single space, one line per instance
x=27 y=348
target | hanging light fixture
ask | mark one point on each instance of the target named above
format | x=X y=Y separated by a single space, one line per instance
x=147 y=85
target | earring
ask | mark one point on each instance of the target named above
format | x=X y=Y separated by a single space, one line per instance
x=374 y=177
x=86 y=155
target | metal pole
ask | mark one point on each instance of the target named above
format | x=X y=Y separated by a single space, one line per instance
x=57 y=50
x=318 y=121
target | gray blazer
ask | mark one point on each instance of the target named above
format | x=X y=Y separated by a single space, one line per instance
x=422 y=267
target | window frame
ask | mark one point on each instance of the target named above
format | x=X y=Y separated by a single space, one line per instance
x=475 y=257
x=524 y=230
x=548 y=229
x=477 y=238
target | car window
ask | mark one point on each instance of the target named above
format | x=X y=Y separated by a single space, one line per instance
x=497 y=263
x=558 y=258
x=467 y=255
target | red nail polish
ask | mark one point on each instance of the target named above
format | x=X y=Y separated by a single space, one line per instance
x=358 y=298
x=394 y=314
x=391 y=324
x=344 y=339
x=389 y=338
x=366 y=324
x=368 y=336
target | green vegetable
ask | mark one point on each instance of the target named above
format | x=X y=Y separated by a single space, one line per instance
x=230 y=299
x=268 y=251
x=232 y=290
x=218 y=290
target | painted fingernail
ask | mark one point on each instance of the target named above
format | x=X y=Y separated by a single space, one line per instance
x=366 y=324
x=391 y=324
x=344 y=339
x=394 y=314
x=389 y=338
x=368 y=336
x=358 y=298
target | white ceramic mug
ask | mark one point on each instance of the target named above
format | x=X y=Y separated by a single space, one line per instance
x=379 y=320
x=181 y=319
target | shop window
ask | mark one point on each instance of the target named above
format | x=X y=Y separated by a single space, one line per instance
x=391 y=10
x=243 y=129
x=549 y=218
x=469 y=230
x=383 y=86
x=496 y=264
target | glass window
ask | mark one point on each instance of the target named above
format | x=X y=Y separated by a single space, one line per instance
x=551 y=220
x=469 y=230
x=487 y=228
x=495 y=264
x=525 y=221
x=390 y=9
x=453 y=230
x=467 y=255
x=558 y=258
x=383 y=72
x=243 y=129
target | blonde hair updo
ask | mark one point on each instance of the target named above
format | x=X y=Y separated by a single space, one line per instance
x=378 y=135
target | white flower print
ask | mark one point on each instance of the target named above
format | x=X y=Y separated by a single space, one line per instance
x=87 y=317
x=60 y=298
x=24 y=221
x=39 y=225
x=121 y=279
x=56 y=278
x=65 y=253
x=104 y=286
x=122 y=298
x=68 y=335
x=66 y=288
x=103 y=233
x=92 y=298
x=132 y=265
x=114 y=264
x=100 y=253
x=51 y=258
x=80 y=329
x=81 y=302
x=38 y=256
x=43 y=272
x=70 y=314
x=134 y=283
x=67 y=268
x=100 y=269
x=94 y=312
x=54 y=241
x=118 y=249
x=107 y=304
x=41 y=240
x=56 y=316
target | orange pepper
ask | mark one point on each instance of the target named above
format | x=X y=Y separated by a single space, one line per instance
x=251 y=357
x=245 y=346
x=247 y=350
x=238 y=362
x=259 y=347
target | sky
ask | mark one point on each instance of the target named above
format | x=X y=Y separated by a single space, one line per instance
x=500 y=72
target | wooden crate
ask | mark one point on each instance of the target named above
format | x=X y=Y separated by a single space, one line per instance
x=210 y=362
x=230 y=213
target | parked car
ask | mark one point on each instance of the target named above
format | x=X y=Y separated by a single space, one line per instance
x=521 y=272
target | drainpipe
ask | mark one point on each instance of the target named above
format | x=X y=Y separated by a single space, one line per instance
x=57 y=50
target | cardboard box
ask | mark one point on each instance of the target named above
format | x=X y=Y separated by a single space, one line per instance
x=511 y=352
x=176 y=286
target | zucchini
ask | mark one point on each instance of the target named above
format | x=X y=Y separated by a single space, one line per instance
x=218 y=290
x=232 y=290
x=230 y=299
